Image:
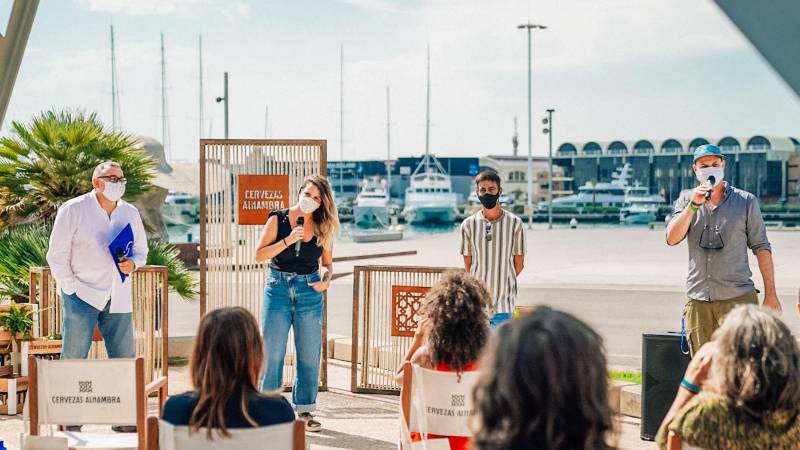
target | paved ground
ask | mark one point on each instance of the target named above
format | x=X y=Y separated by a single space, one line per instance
x=622 y=281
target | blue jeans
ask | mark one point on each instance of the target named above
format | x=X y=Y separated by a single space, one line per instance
x=80 y=319
x=498 y=319
x=290 y=301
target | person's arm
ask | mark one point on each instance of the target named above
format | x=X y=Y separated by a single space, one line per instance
x=59 y=252
x=685 y=207
x=518 y=248
x=419 y=340
x=696 y=374
x=759 y=243
x=466 y=248
x=767 y=269
x=268 y=247
x=140 y=247
x=519 y=263
x=327 y=275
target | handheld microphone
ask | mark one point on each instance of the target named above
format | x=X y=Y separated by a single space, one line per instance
x=713 y=181
x=300 y=221
x=121 y=255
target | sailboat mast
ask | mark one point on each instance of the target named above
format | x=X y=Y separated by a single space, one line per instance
x=388 y=145
x=115 y=111
x=428 y=114
x=201 y=119
x=164 y=125
x=341 y=119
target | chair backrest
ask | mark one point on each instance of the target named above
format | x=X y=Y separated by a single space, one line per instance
x=45 y=443
x=285 y=436
x=81 y=391
x=436 y=402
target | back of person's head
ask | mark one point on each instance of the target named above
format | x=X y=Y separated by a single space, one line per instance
x=544 y=384
x=226 y=363
x=756 y=362
x=458 y=326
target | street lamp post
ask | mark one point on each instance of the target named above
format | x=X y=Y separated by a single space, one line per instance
x=548 y=130
x=225 y=99
x=529 y=26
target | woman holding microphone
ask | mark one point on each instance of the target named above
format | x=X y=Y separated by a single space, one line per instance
x=298 y=240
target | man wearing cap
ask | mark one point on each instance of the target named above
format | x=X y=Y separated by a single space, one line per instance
x=720 y=222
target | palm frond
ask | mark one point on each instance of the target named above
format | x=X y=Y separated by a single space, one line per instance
x=181 y=280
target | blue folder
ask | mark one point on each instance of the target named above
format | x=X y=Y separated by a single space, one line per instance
x=122 y=244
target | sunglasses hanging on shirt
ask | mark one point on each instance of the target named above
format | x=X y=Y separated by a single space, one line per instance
x=711 y=238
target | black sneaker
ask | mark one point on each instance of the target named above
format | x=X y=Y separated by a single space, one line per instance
x=312 y=424
x=124 y=428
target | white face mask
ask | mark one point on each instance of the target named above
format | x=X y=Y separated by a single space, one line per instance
x=113 y=191
x=307 y=204
x=703 y=173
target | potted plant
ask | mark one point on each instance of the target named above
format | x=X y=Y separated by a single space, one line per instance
x=17 y=322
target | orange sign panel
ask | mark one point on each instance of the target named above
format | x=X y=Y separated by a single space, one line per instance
x=260 y=194
x=406 y=301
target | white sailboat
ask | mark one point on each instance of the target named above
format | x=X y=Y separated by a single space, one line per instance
x=429 y=196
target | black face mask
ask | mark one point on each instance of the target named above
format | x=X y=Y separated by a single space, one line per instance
x=489 y=201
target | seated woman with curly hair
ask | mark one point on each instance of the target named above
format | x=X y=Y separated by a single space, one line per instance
x=453 y=331
x=742 y=389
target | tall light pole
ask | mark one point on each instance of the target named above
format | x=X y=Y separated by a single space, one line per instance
x=224 y=98
x=548 y=130
x=529 y=26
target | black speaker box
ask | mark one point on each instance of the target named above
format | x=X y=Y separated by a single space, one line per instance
x=663 y=367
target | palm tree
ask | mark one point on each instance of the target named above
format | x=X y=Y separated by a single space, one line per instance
x=50 y=160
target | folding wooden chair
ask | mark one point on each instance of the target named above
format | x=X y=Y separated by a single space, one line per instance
x=91 y=392
x=285 y=436
x=433 y=402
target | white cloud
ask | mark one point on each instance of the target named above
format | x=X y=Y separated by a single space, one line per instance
x=138 y=7
x=375 y=5
x=234 y=10
x=580 y=34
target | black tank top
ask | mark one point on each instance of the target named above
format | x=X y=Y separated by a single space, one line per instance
x=287 y=260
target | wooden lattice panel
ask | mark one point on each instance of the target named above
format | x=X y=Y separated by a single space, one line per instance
x=406 y=301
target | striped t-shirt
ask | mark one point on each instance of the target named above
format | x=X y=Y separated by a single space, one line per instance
x=492 y=246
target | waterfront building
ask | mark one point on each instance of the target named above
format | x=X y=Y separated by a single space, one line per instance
x=759 y=164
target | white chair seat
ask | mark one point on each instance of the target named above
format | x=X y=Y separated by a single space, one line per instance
x=114 y=441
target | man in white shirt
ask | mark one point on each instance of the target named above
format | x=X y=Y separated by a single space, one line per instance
x=92 y=291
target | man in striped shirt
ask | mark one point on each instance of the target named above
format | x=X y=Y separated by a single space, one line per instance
x=493 y=246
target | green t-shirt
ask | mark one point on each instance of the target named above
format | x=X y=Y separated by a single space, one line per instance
x=709 y=421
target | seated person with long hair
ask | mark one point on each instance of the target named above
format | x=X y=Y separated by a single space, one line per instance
x=226 y=364
x=741 y=390
x=453 y=331
x=543 y=385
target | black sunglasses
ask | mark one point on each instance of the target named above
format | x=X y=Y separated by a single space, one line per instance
x=114 y=179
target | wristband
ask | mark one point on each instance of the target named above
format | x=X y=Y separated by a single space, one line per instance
x=694 y=207
x=694 y=389
x=284 y=243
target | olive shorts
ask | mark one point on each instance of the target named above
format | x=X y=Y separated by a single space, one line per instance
x=703 y=317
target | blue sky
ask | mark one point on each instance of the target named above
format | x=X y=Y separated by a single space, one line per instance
x=612 y=69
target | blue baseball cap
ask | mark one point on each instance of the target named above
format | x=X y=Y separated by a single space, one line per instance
x=707 y=150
